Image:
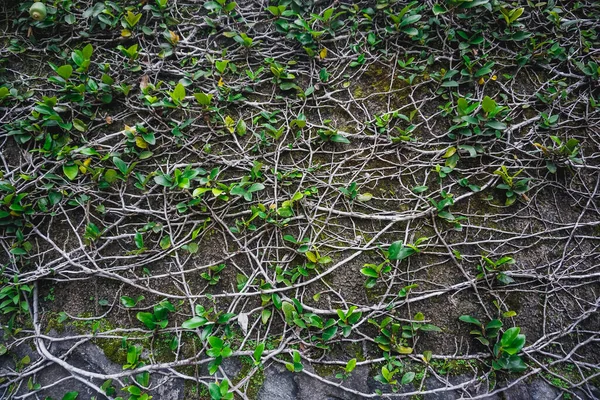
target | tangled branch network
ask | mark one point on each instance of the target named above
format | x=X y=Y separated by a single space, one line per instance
x=394 y=193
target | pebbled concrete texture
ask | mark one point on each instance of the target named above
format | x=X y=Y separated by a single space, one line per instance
x=86 y=356
x=279 y=383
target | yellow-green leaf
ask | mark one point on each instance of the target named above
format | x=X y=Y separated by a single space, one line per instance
x=229 y=124
x=140 y=142
x=65 y=71
x=79 y=125
x=70 y=170
x=450 y=152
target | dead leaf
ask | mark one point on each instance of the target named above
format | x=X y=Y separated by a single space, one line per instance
x=174 y=37
x=243 y=322
x=144 y=82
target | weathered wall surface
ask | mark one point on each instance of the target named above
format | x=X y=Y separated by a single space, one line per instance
x=210 y=200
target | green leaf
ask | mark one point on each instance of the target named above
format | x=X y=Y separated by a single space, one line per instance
x=70 y=396
x=494 y=324
x=482 y=340
x=520 y=35
x=163 y=180
x=483 y=71
x=70 y=170
x=194 y=323
x=258 y=351
x=165 y=242
x=420 y=189
x=215 y=342
x=323 y=75
x=410 y=20
x=192 y=247
x=110 y=176
x=149 y=137
x=87 y=51
x=65 y=71
x=496 y=125
x=139 y=240
x=18 y=251
x=473 y=3
x=178 y=94
x=364 y=197
x=515 y=14
x=276 y=300
x=408 y=378
x=221 y=65
x=369 y=272
x=469 y=319
x=287 y=85
x=350 y=366
x=203 y=99
x=430 y=328
x=134 y=390
x=121 y=165
x=223 y=319
x=147 y=319
x=77 y=57
x=397 y=251
x=470 y=149
x=516 y=345
x=265 y=315
x=438 y=9
x=241 y=127
x=288 y=310
x=329 y=332
x=427 y=356
x=509 y=336
x=488 y=104
x=515 y=364
x=339 y=139
x=449 y=84
x=79 y=125
x=128 y=301
x=213 y=388
x=255 y=187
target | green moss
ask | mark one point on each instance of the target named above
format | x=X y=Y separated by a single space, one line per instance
x=112 y=350
x=357 y=350
x=347 y=128
x=454 y=367
x=256 y=381
x=195 y=390
x=570 y=373
x=326 y=370
x=373 y=294
x=358 y=92
x=161 y=348
x=54 y=324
